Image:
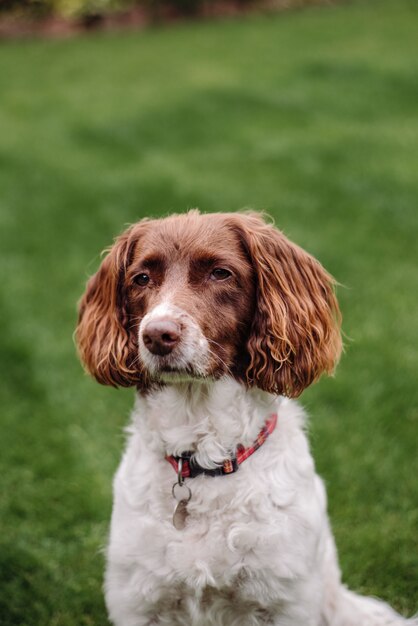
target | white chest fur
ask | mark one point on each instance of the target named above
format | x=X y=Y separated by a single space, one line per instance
x=252 y=539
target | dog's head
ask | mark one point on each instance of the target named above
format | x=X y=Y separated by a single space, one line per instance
x=203 y=296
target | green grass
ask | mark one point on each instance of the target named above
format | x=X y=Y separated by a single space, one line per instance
x=310 y=115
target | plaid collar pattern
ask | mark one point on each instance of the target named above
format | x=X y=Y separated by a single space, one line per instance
x=190 y=468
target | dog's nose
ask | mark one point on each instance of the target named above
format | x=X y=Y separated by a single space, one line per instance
x=161 y=336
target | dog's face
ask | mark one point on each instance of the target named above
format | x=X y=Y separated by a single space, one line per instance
x=191 y=288
x=201 y=296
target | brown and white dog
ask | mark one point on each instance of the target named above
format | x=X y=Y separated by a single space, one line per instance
x=218 y=320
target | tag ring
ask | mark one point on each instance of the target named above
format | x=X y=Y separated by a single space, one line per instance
x=182 y=486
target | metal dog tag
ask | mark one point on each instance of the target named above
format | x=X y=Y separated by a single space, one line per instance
x=180 y=515
x=180 y=512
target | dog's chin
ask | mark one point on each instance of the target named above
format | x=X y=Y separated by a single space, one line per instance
x=178 y=369
x=170 y=374
x=173 y=377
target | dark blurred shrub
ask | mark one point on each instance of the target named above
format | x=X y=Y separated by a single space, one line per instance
x=156 y=9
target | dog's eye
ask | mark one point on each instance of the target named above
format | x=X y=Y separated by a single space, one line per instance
x=220 y=273
x=142 y=279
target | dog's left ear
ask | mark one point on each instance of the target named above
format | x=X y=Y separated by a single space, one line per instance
x=295 y=334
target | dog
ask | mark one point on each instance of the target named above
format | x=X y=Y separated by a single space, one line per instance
x=219 y=518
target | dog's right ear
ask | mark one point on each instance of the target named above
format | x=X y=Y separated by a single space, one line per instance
x=106 y=345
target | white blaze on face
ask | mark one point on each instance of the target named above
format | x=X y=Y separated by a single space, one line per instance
x=189 y=356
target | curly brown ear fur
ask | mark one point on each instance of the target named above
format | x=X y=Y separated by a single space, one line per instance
x=295 y=335
x=106 y=346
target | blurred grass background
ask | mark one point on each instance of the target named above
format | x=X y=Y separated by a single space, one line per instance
x=310 y=115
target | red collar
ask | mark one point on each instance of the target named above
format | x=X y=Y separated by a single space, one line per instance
x=190 y=468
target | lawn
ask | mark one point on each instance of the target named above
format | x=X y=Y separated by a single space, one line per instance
x=310 y=115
